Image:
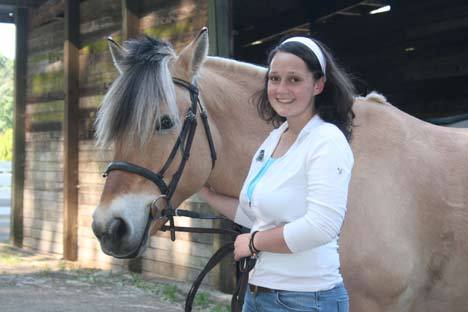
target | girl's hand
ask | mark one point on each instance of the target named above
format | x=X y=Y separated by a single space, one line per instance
x=241 y=246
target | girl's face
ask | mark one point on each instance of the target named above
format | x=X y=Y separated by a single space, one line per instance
x=292 y=87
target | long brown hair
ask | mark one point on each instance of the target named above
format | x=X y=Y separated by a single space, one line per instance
x=333 y=104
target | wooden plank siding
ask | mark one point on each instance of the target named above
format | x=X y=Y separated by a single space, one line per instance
x=43 y=182
x=44 y=114
x=175 y=21
x=50 y=116
x=97 y=22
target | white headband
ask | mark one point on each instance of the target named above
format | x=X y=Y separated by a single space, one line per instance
x=313 y=47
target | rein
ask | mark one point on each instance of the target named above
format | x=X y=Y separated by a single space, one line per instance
x=184 y=143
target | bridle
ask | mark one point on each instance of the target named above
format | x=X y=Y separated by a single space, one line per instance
x=184 y=143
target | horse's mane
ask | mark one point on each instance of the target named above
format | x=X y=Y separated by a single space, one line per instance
x=374 y=96
x=140 y=96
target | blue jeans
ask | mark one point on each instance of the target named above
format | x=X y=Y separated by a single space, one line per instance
x=333 y=300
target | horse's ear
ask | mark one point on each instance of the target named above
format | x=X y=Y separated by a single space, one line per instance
x=117 y=53
x=192 y=56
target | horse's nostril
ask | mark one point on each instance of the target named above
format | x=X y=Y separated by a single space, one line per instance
x=117 y=229
x=96 y=231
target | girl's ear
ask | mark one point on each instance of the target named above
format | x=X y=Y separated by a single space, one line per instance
x=319 y=85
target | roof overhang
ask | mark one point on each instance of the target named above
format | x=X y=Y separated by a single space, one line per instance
x=8 y=7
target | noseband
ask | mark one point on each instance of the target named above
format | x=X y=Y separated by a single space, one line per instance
x=184 y=142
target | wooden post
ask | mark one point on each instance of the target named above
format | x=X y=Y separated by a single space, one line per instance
x=219 y=27
x=219 y=33
x=130 y=29
x=70 y=130
x=130 y=18
x=21 y=20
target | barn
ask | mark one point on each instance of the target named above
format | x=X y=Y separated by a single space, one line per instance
x=415 y=52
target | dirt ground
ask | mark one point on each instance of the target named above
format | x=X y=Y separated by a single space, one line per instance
x=31 y=282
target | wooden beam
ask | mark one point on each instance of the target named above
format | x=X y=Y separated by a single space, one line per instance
x=70 y=130
x=131 y=29
x=219 y=27
x=19 y=131
x=21 y=3
x=130 y=19
x=47 y=12
x=329 y=8
x=224 y=274
x=219 y=33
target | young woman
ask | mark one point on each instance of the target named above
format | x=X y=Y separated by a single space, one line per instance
x=294 y=197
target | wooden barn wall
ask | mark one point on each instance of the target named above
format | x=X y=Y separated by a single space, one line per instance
x=176 y=21
x=98 y=20
x=43 y=185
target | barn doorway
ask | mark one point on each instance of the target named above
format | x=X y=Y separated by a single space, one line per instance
x=413 y=52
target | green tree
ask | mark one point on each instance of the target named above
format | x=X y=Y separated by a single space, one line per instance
x=6 y=93
x=6 y=108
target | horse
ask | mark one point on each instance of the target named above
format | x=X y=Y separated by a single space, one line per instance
x=404 y=241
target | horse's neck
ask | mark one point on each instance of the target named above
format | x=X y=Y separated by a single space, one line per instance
x=227 y=87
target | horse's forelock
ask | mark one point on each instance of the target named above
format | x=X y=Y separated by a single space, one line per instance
x=146 y=51
x=139 y=97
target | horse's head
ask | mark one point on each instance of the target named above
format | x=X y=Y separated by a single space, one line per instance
x=143 y=116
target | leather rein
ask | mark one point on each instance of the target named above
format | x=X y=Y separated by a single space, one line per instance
x=184 y=143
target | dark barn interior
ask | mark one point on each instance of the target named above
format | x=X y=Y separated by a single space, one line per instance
x=416 y=54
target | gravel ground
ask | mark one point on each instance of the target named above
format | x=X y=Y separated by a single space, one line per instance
x=30 y=282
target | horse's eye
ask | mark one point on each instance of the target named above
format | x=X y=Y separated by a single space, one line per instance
x=166 y=123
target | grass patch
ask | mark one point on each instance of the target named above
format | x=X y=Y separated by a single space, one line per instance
x=140 y=283
x=220 y=307
x=10 y=256
x=170 y=293
x=202 y=299
x=9 y=259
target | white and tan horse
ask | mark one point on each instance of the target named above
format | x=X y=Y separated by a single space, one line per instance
x=404 y=243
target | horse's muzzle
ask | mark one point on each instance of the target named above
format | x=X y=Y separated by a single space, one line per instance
x=114 y=239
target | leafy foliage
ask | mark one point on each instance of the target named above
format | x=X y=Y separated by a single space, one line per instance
x=6 y=107
x=6 y=93
x=6 y=144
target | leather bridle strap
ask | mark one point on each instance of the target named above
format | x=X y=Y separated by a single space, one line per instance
x=156 y=178
x=204 y=116
x=184 y=142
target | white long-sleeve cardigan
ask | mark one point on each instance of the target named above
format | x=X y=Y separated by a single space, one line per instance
x=305 y=190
